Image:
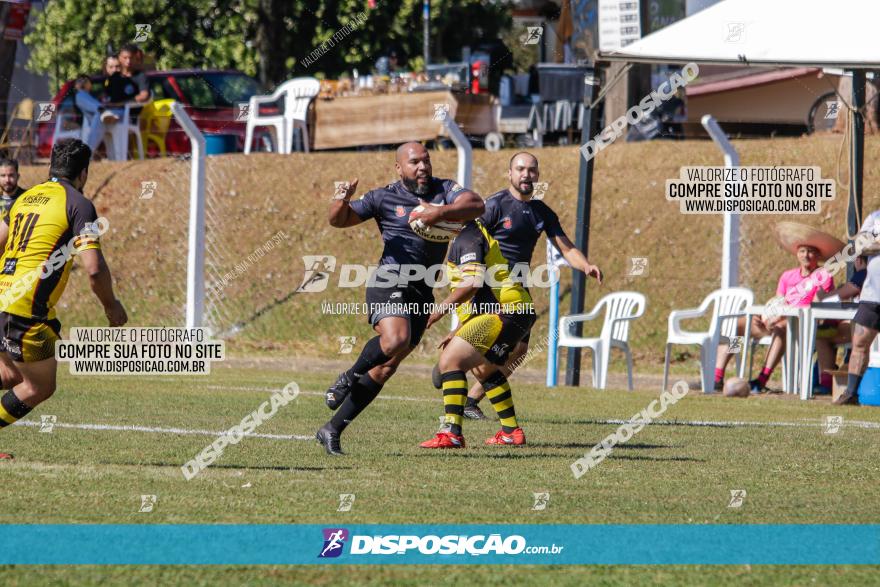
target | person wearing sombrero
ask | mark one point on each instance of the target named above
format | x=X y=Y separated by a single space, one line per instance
x=796 y=286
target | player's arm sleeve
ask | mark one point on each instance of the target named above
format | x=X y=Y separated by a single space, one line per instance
x=367 y=206
x=469 y=254
x=453 y=190
x=492 y=215
x=82 y=217
x=551 y=224
x=462 y=205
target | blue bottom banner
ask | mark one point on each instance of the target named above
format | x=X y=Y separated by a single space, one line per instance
x=240 y=544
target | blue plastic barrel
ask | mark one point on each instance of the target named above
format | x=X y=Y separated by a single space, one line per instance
x=219 y=144
x=869 y=390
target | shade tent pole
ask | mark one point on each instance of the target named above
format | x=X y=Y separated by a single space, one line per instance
x=582 y=231
x=857 y=152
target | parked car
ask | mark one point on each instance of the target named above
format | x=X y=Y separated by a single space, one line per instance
x=209 y=97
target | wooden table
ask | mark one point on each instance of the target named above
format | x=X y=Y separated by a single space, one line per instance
x=354 y=121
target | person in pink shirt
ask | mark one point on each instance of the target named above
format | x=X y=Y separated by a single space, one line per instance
x=798 y=289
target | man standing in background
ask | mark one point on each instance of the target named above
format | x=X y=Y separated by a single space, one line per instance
x=9 y=188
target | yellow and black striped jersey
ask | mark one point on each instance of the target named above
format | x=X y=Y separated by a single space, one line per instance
x=47 y=224
x=6 y=202
x=477 y=255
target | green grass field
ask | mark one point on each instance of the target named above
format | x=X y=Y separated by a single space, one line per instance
x=118 y=438
x=673 y=472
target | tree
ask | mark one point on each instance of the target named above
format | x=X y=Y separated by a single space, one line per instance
x=7 y=63
x=70 y=37
x=270 y=39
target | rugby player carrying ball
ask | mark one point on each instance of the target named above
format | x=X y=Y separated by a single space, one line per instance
x=400 y=328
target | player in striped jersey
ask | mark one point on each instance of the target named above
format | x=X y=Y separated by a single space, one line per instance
x=47 y=224
x=495 y=313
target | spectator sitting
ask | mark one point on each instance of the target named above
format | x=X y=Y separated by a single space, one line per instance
x=92 y=111
x=798 y=287
x=836 y=332
x=130 y=83
x=111 y=65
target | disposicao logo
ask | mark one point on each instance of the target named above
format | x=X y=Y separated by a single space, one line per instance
x=334 y=540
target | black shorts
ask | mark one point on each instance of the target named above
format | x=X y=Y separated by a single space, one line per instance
x=27 y=340
x=496 y=335
x=868 y=315
x=406 y=302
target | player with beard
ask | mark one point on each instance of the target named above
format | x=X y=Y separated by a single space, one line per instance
x=516 y=221
x=9 y=188
x=397 y=313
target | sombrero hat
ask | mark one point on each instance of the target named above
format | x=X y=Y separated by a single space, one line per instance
x=792 y=235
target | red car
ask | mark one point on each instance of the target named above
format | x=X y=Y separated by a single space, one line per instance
x=209 y=96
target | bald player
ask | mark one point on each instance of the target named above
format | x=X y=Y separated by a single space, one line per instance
x=399 y=313
x=516 y=221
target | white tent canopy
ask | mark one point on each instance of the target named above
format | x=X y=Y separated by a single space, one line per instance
x=793 y=33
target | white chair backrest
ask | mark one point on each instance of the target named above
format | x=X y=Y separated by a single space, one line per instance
x=618 y=305
x=298 y=92
x=733 y=300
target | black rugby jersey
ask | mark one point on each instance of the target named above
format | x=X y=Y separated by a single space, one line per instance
x=391 y=206
x=517 y=225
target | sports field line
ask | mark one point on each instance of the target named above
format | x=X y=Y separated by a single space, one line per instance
x=218 y=433
x=321 y=393
x=114 y=428
x=705 y=423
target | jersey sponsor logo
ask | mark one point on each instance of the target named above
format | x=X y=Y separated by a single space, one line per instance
x=468 y=257
x=506 y=222
x=9 y=266
x=500 y=349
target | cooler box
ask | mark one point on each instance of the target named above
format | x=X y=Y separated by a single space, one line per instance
x=869 y=390
x=219 y=144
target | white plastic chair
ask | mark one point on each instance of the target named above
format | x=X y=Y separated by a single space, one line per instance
x=63 y=130
x=620 y=309
x=297 y=94
x=296 y=109
x=727 y=305
x=120 y=132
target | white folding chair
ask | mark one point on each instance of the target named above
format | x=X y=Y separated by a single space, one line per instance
x=66 y=127
x=296 y=109
x=297 y=93
x=727 y=305
x=257 y=120
x=620 y=309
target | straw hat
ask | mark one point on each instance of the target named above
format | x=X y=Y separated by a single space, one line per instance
x=792 y=235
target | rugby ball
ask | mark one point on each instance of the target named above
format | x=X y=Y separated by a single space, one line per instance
x=442 y=232
x=736 y=387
